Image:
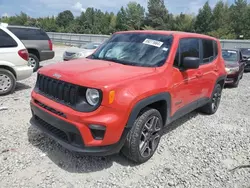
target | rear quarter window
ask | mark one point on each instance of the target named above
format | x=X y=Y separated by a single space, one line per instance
x=210 y=50
x=29 y=34
x=6 y=41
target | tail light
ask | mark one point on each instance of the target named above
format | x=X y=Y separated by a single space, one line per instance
x=24 y=54
x=50 y=45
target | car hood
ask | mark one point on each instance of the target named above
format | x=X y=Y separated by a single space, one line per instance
x=231 y=64
x=94 y=73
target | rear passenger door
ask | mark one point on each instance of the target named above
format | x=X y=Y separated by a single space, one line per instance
x=187 y=87
x=208 y=67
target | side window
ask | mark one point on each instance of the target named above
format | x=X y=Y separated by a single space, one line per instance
x=188 y=48
x=6 y=41
x=208 y=51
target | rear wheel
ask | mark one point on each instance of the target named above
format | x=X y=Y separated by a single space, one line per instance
x=213 y=105
x=33 y=62
x=144 y=137
x=7 y=82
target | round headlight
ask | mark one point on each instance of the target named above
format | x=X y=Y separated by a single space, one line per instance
x=92 y=96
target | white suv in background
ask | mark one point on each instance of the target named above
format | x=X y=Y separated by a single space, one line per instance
x=13 y=61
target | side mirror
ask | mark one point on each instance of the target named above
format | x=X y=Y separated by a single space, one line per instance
x=191 y=63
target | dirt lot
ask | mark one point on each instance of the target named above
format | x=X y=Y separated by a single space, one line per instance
x=196 y=151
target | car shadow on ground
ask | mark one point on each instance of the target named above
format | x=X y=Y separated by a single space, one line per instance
x=21 y=86
x=77 y=163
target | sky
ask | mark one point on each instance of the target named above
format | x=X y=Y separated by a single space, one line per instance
x=41 y=8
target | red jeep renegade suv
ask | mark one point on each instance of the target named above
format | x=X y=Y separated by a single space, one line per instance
x=120 y=97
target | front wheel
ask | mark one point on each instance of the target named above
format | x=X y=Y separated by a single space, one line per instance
x=144 y=137
x=212 y=107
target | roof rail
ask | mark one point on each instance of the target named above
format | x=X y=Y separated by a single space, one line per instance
x=4 y=24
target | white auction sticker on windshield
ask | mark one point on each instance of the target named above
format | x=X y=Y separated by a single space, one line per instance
x=234 y=52
x=151 y=42
x=165 y=49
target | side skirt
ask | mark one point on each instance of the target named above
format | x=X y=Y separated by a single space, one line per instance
x=188 y=108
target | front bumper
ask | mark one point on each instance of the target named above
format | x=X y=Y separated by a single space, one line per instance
x=232 y=78
x=23 y=72
x=71 y=129
x=68 y=58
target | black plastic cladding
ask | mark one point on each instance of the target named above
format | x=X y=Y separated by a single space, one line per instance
x=65 y=93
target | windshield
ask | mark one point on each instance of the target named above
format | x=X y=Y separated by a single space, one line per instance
x=230 y=55
x=137 y=49
x=245 y=52
x=90 y=46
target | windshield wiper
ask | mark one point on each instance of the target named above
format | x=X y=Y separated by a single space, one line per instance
x=120 y=61
x=113 y=60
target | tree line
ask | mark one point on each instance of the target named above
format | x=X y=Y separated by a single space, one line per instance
x=222 y=21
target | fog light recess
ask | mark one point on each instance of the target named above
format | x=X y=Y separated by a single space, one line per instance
x=97 y=131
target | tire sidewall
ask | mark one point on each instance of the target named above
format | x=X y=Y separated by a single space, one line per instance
x=217 y=87
x=137 y=135
x=37 y=62
x=13 y=82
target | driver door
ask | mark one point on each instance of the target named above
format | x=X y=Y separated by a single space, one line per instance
x=186 y=83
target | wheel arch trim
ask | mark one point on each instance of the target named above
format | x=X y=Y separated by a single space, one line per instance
x=165 y=96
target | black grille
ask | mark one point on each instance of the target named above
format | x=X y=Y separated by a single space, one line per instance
x=50 y=109
x=58 y=90
x=69 y=53
x=53 y=130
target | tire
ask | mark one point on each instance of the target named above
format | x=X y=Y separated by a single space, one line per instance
x=7 y=82
x=144 y=136
x=212 y=107
x=34 y=62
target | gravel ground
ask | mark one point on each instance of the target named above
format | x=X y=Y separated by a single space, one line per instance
x=196 y=151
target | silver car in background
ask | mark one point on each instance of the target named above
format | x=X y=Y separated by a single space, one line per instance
x=82 y=51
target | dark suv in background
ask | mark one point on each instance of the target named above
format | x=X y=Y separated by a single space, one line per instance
x=246 y=55
x=37 y=42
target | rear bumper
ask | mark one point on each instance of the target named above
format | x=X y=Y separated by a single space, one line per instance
x=46 y=55
x=23 y=72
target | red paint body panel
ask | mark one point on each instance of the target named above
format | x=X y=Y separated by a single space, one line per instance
x=131 y=84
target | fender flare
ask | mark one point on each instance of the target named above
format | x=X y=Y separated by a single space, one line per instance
x=221 y=78
x=147 y=101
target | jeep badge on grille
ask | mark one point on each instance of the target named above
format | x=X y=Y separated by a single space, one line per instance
x=57 y=75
